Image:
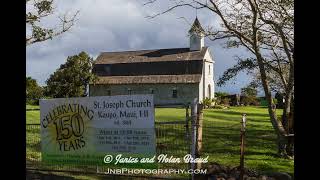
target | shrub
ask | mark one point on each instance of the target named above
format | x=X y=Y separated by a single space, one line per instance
x=213 y=101
x=207 y=103
x=225 y=101
x=218 y=100
x=256 y=103
x=219 y=96
x=32 y=101
x=249 y=100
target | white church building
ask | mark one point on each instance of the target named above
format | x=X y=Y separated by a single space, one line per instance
x=174 y=76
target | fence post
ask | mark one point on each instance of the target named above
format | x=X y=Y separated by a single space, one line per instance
x=187 y=122
x=188 y=130
x=199 y=133
x=242 y=136
x=193 y=131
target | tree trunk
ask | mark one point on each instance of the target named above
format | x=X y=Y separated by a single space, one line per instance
x=287 y=119
x=277 y=125
x=287 y=111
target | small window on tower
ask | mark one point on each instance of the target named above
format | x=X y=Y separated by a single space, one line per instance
x=209 y=69
x=174 y=93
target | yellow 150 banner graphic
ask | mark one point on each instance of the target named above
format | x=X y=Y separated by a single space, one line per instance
x=83 y=130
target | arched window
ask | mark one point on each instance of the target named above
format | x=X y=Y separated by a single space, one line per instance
x=151 y=91
x=209 y=91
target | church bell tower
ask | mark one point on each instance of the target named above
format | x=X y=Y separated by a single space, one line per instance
x=196 y=33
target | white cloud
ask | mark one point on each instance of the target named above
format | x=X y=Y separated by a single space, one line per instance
x=118 y=25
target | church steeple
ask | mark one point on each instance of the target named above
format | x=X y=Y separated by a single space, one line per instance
x=196 y=33
x=196 y=26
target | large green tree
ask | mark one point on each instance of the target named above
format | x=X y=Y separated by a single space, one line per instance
x=72 y=78
x=33 y=91
x=37 y=11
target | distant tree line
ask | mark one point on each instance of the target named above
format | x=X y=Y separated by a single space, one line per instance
x=247 y=97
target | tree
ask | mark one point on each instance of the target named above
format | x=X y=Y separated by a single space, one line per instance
x=249 y=95
x=219 y=96
x=265 y=29
x=33 y=91
x=249 y=91
x=225 y=101
x=39 y=10
x=72 y=78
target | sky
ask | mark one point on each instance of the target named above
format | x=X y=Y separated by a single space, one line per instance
x=121 y=25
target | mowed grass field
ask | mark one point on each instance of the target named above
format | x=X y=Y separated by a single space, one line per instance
x=221 y=137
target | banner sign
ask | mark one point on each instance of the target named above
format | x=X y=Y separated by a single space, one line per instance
x=84 y=130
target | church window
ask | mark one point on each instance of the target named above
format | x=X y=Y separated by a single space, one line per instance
x=108 y=92
x=129 y=91
x=107 y=70
x=174 y=93
x=209 y=69
x=151 y=91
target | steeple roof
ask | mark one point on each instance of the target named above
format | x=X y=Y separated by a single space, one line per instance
x=196 y=26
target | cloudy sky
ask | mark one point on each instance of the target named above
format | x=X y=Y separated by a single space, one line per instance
x=120 y=25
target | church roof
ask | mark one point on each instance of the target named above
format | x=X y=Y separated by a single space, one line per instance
x=156 y=55
x=149 y=79
x=196 y=26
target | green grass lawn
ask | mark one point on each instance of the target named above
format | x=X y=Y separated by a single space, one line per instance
x=222 y=145
x=32 y=106
x=221 y=131
x=221 y=137
x=33 y=117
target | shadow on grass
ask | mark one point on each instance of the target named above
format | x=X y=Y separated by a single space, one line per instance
x=169 y=118
x=222 y=119
x=230 y=112
x=271 y=154
x=263 y=107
